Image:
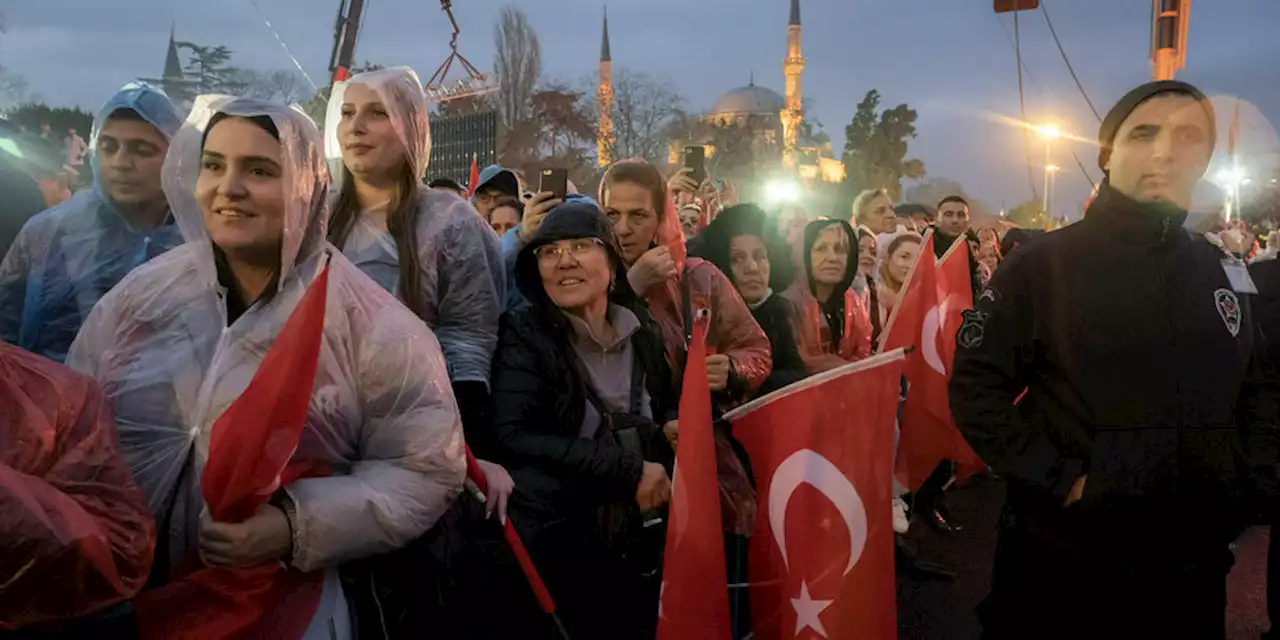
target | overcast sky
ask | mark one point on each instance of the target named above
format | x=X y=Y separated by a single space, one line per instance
x=950 y=59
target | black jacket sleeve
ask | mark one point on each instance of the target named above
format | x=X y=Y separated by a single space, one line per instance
x=992 y=368
x=1259 y=406
x=527 y=429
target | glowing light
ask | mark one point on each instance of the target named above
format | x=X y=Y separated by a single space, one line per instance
x=782 y=191
x=1053 y=167
x=1049 y=131
x=1231 y=177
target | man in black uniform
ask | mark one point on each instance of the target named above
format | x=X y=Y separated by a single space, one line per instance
x=1147 y=432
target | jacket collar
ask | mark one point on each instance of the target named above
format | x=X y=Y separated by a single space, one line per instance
x=1133 y=221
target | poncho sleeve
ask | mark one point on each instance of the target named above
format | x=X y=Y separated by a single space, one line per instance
x=470 y=287
x=76 y=532
x=411 y=464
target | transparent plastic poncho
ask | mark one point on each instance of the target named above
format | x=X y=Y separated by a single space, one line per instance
x=66 y=258
x=463 y=278
x=382 y=414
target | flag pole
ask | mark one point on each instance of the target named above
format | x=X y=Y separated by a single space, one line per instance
x=476 y=475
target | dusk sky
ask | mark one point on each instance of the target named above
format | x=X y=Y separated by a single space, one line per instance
x=949 y=59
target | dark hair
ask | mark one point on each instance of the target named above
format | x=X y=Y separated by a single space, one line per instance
x=953 y=199
x=263 y=122
x=445 y=183
x=508 y=201
x=402 y=224
x=910 y=209
x=641 y=174
x=747 y=220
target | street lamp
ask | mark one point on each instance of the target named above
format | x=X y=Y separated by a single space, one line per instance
x=1049 y=132
x=1231 y=179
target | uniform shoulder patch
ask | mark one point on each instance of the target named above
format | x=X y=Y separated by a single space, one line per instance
x=1229 y=308
x=973 y=328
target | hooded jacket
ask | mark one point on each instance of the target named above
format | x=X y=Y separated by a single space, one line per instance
x=458 y=255
x=836 y=331
x=1141 y=366
x=69 y=256
x=733 y=330
x=539 y=393
x=382 y=416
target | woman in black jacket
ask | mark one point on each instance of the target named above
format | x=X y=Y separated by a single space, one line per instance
x=748 y=250
x=580 y=387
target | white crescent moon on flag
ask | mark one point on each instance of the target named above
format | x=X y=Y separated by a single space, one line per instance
x=929 y=337
x=810 y=467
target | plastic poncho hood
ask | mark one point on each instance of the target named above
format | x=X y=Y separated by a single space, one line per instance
x=148 y=102
x=382 y=415
x=305 y=180
x=401 y=94
x=67 y=257
x=462 y=275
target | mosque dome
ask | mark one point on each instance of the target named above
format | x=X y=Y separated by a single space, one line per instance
x=747 y=101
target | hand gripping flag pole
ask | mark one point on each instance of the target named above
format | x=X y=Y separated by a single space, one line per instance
x=476 y=475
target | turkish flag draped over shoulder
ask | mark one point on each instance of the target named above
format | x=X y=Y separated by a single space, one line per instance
x=250 y=456
x=694 y=604
x=926 y=318
x=821 y=557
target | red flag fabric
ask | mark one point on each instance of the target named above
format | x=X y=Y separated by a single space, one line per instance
x=473 y=180
x=821 y=558
x=694 y=603
x=250 y=456
x=925 y=319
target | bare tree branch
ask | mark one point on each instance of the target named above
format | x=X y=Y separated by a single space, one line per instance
x=518 y=64
x=644 y=109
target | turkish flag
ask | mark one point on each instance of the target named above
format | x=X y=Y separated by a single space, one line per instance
x=251 y=450
x=821 y=560
x=473 y=180
x=694 y=603
x=928 y=314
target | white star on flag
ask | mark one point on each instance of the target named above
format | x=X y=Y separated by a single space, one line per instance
x=807 y=611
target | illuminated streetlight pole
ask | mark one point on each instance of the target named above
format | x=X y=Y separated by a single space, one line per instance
x=1049 y=132
x=1049 y=171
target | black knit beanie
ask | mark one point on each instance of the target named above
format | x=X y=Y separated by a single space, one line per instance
x=1120 y=112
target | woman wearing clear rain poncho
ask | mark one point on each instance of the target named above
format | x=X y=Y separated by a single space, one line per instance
x=176 y=342
x=427 y=246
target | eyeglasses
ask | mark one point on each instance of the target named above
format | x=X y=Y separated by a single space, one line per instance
x=579 y=249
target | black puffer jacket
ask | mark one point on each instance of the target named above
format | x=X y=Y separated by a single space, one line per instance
x=1142 y=369
x=539 y=394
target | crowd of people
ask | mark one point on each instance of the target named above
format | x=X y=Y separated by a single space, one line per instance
x=1113 y=373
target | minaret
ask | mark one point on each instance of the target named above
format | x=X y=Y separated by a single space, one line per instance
x=793 y=66
x=604 y=98
x=172 y=63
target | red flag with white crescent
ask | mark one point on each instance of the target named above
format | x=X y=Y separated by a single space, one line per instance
x=821 y=555
x=251 y=454
x=931 y=302
x=694 y=604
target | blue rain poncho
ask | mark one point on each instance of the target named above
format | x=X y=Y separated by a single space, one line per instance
x=382 y=413
x=67 y=257
x=459 y=259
